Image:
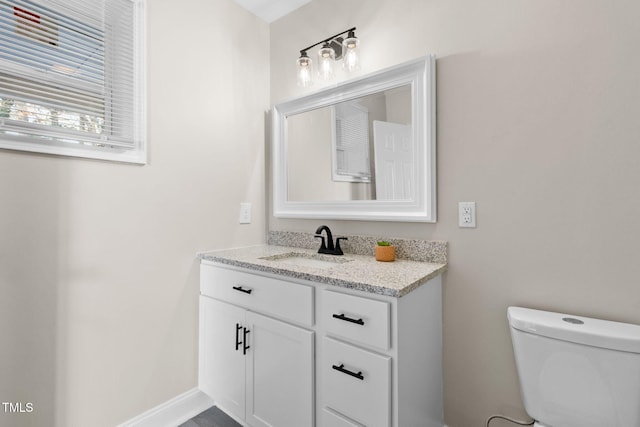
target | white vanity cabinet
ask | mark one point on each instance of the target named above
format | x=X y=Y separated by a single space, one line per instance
x=253 y=365
x=356 y=382
x=319 y=354
x=379 y=363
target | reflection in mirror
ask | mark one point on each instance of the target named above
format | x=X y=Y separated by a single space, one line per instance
x=360 y=149
x=350 y=142
x=363 y=149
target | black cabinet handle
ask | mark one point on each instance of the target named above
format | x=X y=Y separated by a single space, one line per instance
x=342 y=369
x=245 y=347
x=348 y=319
x=238 y=327
x=241 y=289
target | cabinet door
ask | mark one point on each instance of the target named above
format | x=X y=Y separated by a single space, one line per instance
x=222 y=366
x=357 y=383
x=279 y=374
x=332 y=419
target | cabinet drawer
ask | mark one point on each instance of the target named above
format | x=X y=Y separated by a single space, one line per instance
x=332 y=419
x=357 y=383
x=279 y=298
x=358 y=319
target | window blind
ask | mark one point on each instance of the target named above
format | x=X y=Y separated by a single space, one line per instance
x=70 y=74
x=352 y=141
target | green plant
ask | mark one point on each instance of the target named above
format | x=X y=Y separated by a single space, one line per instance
x=384 y=243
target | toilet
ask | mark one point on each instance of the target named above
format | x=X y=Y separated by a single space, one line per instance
x=575 y=371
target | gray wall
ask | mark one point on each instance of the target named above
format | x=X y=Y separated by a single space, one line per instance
x=98 y=269
x=538 y=104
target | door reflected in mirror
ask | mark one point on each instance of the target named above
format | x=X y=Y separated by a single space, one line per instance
x=360 y=149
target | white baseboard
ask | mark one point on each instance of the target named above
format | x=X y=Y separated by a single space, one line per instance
x=173 y=412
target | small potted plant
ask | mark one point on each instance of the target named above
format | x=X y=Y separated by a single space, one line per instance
x=385 y=251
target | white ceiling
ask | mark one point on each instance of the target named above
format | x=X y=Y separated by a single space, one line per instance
x=271 y=10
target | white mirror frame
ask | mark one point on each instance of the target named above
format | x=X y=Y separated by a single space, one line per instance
x=420 y=74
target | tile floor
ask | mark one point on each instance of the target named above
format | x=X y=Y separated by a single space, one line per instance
x=212 y=417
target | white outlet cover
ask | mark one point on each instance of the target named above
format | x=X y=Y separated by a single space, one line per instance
x=467 y=214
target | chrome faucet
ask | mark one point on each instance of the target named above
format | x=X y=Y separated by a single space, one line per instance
x=328 y=247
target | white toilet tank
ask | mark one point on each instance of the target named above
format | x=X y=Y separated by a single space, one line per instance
x=575 y=371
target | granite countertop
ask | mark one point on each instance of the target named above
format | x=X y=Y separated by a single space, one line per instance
x=361 y=272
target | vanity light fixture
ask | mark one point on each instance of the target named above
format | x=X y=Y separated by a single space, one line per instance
x=305 y=70
x=351 y=61
x=326 y=58
x=333 y=49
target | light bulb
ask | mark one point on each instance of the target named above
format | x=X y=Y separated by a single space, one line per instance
x=351 y=61
x=305 y=70
x=326 y=58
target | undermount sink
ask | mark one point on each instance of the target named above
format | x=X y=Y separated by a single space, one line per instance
x=307 y=260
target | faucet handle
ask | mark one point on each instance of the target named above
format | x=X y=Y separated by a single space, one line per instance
x=338 y=250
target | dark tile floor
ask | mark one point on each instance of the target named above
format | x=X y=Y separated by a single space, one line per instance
x=212 y=417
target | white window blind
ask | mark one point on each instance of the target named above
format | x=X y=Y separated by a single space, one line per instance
x=71 y=78
x=351 y=142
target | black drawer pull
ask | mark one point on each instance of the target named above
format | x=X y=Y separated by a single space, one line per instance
x=241 y=289
x=348 y=372
x=348 y=319
x=238 y=327
x=245 y=347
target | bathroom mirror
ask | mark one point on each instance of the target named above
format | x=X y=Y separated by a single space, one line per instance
x=361 y=150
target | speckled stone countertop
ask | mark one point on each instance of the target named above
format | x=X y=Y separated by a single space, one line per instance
x=361 y=272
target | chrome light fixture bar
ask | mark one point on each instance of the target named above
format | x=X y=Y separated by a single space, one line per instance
x=333 y=49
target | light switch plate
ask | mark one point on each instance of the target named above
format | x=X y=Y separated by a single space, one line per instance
x=245 y=213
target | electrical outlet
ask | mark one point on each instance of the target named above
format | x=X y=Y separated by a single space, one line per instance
x=467 y=214
x=245 y=213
